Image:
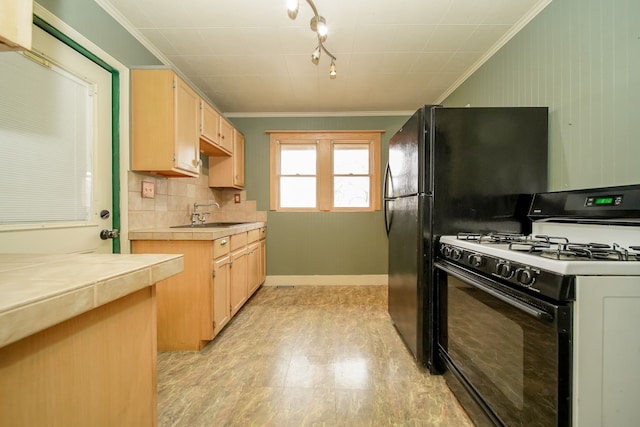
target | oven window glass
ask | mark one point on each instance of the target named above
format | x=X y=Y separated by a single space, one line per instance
x=508 y=356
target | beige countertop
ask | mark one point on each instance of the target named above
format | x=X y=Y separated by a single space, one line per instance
x=195 y=233
x=39 y=291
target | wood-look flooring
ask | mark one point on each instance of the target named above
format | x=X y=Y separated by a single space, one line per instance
x=305 y=356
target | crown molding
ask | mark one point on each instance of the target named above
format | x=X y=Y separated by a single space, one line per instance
x=515 y=29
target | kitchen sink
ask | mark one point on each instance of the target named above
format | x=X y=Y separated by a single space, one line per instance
x=208 y=225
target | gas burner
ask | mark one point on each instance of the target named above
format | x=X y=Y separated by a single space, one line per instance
x=538 y=243
x=468 y=236
x=501 y=238
x=590 y=251
x=492 y=237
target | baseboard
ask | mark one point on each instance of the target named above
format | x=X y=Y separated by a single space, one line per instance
x=348 y=280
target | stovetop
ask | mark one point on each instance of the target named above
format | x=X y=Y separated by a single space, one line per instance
x=557 y=247
x=557 y=254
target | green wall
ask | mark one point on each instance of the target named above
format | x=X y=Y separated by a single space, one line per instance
x=323 y=243
x=581 y=58
x=89 y=19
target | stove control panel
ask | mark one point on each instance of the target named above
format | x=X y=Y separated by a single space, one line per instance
x=509 y=272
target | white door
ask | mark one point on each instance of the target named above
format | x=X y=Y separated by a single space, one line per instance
x=56 y=167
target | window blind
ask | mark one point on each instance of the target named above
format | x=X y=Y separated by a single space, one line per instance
x=46 y=134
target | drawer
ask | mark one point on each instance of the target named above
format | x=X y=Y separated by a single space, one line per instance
x=238 y=240
x=253 y=235
x=221 y=247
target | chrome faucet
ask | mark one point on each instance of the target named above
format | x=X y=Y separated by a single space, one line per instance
x=200 y=216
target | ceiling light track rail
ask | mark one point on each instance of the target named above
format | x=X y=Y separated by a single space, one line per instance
x=319 y=26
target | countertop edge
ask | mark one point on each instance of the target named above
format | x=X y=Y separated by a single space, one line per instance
x=52 y=307
x=210 y=233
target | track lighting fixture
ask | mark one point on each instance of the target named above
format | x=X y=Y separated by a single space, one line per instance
x=315 y=56
x=319 y=26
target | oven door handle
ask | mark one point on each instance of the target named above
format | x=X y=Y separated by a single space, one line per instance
x=476 y=282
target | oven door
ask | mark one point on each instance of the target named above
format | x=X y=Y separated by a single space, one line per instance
x=510 y=352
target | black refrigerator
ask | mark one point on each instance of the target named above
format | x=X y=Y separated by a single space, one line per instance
x=454 y=170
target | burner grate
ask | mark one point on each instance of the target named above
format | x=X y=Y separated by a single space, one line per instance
x=556 y=247
x=590 y=251
x=493 y=237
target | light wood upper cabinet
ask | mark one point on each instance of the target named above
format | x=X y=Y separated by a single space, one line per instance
x=165 y=134
x=238 y=159
x=226 y=134
x=16 y=17
x=213 y=142
x=228 y=172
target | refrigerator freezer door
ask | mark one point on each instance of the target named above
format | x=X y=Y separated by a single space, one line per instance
x=407 y=159
x=405 y=271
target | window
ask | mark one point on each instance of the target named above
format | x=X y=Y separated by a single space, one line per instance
x=325 y=171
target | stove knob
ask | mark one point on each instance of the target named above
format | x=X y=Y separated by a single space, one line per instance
x=446 y=251
x=525 y=276
x=456 y=254
x=503 y=269
x=475 y=260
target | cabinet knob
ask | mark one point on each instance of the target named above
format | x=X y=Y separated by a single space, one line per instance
x=223 y=242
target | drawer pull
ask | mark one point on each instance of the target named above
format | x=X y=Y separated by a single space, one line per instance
x=223 y=242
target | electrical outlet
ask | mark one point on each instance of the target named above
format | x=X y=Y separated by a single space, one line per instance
x=148 y=190
x=236 y=198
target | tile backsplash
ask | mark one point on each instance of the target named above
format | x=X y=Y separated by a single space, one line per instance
x=174 y=199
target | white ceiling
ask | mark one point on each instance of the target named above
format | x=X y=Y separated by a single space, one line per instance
x=249 y=58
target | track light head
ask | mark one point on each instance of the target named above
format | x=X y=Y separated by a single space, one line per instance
x=315 y=56
x=292 y=8
x=332 y=70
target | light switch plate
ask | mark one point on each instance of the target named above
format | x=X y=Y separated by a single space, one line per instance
x=148 y=190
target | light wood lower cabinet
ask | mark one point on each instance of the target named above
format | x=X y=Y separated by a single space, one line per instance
x=256 y=260
x=238 y=286
x=185 y=314
x=195 y=305
x=96 y=369
x=221 y=285
x=263 y=254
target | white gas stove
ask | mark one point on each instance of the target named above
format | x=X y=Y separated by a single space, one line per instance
x=583 y=253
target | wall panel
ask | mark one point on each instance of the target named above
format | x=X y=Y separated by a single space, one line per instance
x=318 y=243
x=581 y=58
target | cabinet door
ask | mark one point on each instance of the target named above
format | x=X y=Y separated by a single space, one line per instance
x=238 y=286
x=226 y=135
x=253 y=267
x=187 y=137
x=210 y=131
x=209 y=123
x=16 y=17
x=263 y=261
x=238 y=159
x=220 y=304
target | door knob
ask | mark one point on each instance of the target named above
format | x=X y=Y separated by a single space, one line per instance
x=109 y=234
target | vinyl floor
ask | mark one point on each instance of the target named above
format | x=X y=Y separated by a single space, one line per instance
x=305 y=356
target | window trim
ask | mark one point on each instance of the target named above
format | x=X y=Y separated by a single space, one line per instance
x=325 y=140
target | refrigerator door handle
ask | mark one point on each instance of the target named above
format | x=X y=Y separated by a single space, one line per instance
x=388 y=216
x=388 y=184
